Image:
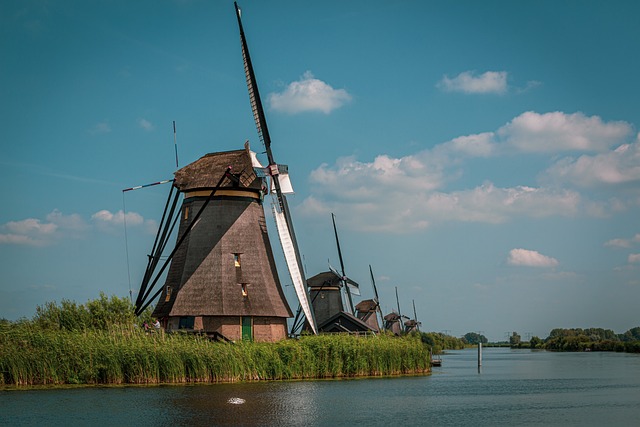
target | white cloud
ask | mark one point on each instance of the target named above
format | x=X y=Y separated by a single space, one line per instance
x=467 y=82
x=618 y=243
x=308 y=94
x=35 y=232
x=532 y=132
x=146 y=124
x=494 y=205
x=58 y=226
x=558 y=131
x=525 y=257
x=106 y=217
x=634 y=258
x=477 y=145
x=31 y=226
x=114 y=221
x=620 y=166
x=19 y=239
x=402 y=195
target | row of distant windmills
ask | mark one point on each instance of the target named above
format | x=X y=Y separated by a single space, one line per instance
x=222 y=278
x=332 y=300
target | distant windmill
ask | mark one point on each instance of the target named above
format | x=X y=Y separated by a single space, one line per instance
x=412 y=324
x=369 y=309
x=393 y=321
x=331 y=299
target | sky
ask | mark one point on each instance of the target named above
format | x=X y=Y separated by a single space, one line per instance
x=482 y=157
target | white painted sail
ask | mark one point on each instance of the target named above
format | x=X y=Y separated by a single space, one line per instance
x=353 y=288
x=285 y=184
x=292 y=264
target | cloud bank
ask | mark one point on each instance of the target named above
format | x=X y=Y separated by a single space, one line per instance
x=401 y=195
x=58 y=226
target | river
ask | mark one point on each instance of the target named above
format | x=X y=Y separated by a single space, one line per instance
x=513 y=387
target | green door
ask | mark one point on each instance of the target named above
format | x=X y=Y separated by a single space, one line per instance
x=246 y=329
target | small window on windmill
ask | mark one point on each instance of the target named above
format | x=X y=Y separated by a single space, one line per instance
x=243 y=286
x=186 y=212
x=168 y=297
x=236 y=260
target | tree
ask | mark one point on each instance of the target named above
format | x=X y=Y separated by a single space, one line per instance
x=514 y=339
x=475 y=338
x=535 y=342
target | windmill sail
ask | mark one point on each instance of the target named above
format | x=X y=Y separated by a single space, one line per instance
x=292 y=264
x=350 y=287
x=377 y=299
x=284 y=223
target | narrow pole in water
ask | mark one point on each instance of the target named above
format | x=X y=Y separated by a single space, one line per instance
x=479 y=354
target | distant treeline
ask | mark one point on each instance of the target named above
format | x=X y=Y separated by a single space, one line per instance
x=439 y=341
x=101 y=342
x=578 y=339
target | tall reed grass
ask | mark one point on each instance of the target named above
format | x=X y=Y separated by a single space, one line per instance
x=127 y=355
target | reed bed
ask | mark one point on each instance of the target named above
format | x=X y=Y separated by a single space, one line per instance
x=127 y=355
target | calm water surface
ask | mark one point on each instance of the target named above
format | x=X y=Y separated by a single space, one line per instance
x=514 y=387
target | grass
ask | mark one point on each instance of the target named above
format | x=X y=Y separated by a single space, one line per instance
x=126 y=355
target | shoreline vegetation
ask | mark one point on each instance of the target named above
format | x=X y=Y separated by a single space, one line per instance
x=102 y=343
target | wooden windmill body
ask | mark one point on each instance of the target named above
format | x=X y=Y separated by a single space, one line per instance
x=223 y=279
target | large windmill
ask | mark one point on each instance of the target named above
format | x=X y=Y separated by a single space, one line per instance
x=222 y=279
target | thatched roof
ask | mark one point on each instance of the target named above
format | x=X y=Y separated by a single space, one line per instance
x=366 y=305
x=205 y=172
x=392 y=317
x=325 y=279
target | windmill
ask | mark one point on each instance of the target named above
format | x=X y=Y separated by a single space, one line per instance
x=369 y=309
x=222 y=277
x=412 y=325
x=331 y=299
x=393 y=321
x=331 y=291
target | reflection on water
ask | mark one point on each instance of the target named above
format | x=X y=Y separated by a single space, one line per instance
x=514 y=387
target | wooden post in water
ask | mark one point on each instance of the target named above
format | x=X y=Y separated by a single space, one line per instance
x=479 y=354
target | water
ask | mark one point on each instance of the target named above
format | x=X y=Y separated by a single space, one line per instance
x=514 y=387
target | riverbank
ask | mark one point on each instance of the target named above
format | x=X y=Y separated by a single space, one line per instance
x=31 y=356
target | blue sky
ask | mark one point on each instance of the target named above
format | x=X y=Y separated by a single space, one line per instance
x=483 y=157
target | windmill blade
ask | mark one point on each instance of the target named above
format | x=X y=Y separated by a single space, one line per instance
x=344 y=276
x=354 y=288
x=263 y=134
x=335 y=230
x=294 y=272
x=373 y=282
x=377 y=299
